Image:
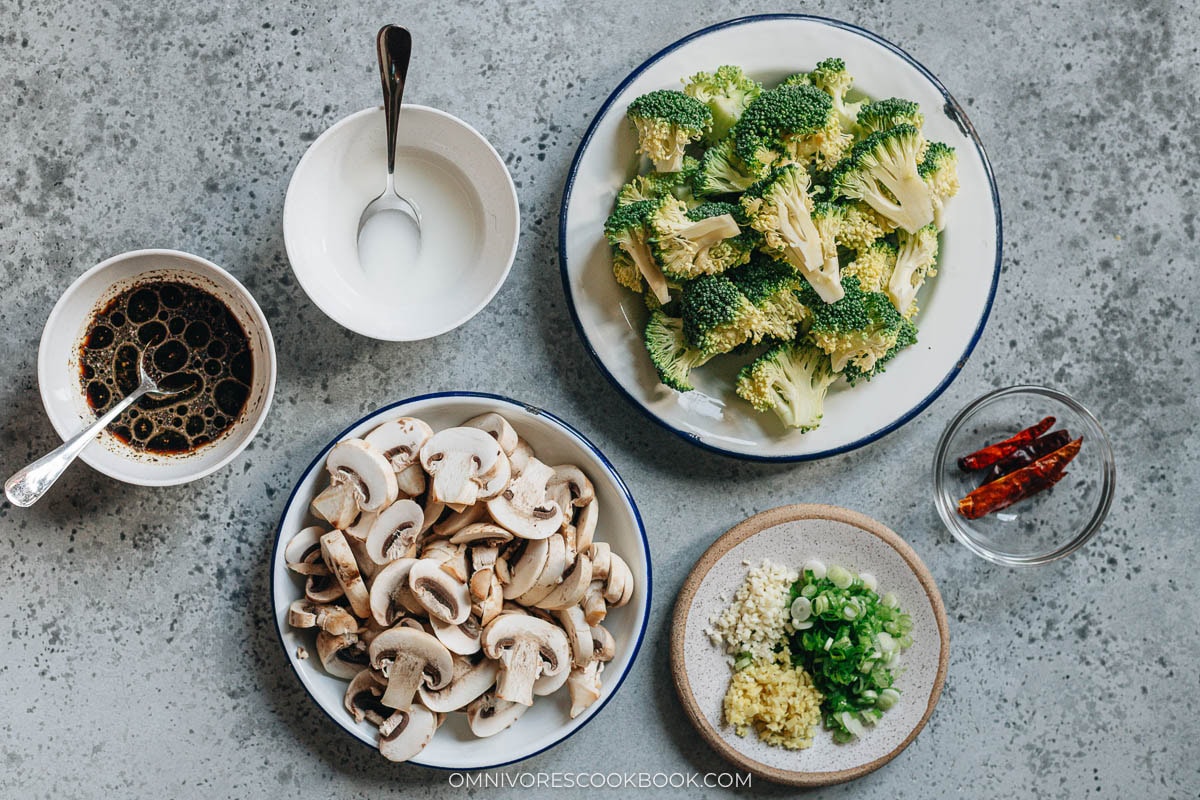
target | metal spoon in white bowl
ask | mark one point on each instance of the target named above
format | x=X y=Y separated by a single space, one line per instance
x=394 y=47
x=28 y=485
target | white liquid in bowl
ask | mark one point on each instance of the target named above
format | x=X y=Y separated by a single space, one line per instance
x=405 y=273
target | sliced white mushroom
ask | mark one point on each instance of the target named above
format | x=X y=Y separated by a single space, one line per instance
x=498 y=428
x=438 y=592
x=394 y=534
x=604 y=647
x=340 y=559
x=400 y=443
x=322 y=588
x=571 y=487
x=456 y=564
x=523 y=506
x=407 y=657
x=488 y=715
x=337 y=504
x=583 y=684
x=619 y=576
x=524 y=571
x=571 y=590
x=304 y=613
x=456 y=521
x=585 y=525
x=343 y=655
x=458 y=459
x=461 y=639
x=518 y=459
x=303 y=552
x=550 y=576
x=361 y=527
x=355 y=463
x=362 y=698
x=391 y=598
x=594 y=607
x=405 y=733
x=579 y=633
x=366 y=565
x=527 y=648
x=482 y=532
x=470 y=679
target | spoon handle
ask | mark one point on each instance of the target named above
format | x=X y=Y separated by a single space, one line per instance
x=28 y=485
x=394 y=46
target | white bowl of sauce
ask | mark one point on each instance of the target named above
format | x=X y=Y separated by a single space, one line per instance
x=470 y=222
x=200 y=331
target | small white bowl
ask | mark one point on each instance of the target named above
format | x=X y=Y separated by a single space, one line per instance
x=548 y=722
x=59 y=365
x=468 y=203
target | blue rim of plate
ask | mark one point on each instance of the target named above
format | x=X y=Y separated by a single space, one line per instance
x=570 y=430
x=952 y=110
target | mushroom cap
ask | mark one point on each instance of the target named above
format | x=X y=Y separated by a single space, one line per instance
x=519 y=457
x=573 y=587
x=304 y=613
x=405 y=733
x=579 y=487
x=322 y=588
x=356 y=463
x=340 y=559
x=461 y=639
x=395 y=531
x=342 y=655
x=458 y=459
x=551 y=574
x=362 y=698
x=488 y=715
x=400 y=441
x=438 y=592
x=498 y=428
x=407 y=657
x=585 y=525
x=526 y=647
x=618 y=589
x=604 y=647
x=303 y=552
x=470 y=680
x=523 y=506
x=524 y=571
x=458 y=520
x=481 y=532
x=579 y=633
x=390 y=596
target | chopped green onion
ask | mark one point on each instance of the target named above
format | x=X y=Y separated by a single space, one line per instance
x=840 y=577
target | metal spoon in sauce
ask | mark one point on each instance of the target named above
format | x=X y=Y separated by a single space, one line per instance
x=28 y=485
x=393 y=45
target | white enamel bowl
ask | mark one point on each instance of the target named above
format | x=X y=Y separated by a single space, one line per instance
x=63 y=394
x=547 y=723
x=955 y=304
x=467 y=198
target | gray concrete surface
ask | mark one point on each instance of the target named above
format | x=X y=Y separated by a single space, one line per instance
x=138 y=656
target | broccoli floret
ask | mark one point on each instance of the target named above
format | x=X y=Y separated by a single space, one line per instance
x=828 y=219
x=915 y=260
x=722 y=172
x=884 y=114
x=907 y=336
x=939 y=170
x=831 y=77
x=627 y=228
x=792 y=123
x=726 y=92
x=859 y=329
x=717 y=317
x=627 y=273
x=655 y=185
x=873 y=266
x=790 y=379
x=862 y=225
x=882 y=171
x=780 y=207
x=771 y=286
x=669 y=351
x=797 y=79
x=666 y=121
x=686 y=245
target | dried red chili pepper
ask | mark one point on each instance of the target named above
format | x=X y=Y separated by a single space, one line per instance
x=1027 y=481
x=1027 y=454
x=986 y=456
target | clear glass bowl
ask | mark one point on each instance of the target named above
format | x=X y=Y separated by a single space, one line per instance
x=1049 y=525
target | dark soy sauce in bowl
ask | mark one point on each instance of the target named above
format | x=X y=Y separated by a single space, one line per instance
x=192 y=342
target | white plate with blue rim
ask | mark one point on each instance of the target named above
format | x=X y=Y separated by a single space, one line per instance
x=954 y=305
x=548 y=721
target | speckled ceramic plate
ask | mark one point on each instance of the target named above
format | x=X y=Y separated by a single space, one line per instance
x=954 y=305
x=791 y=535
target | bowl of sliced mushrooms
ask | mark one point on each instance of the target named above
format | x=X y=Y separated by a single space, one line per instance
x=461 y=580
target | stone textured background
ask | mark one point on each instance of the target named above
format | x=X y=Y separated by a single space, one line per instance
x=138 y=656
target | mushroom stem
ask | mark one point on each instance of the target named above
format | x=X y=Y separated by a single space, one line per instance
x=519 y=668
x=404 y=677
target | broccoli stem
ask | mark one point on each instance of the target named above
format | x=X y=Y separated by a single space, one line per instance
x=711 y=230
x=640 y=253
